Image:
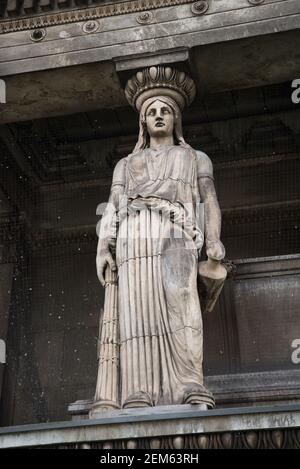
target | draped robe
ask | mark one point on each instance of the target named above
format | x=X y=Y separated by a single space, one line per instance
x=157 y=237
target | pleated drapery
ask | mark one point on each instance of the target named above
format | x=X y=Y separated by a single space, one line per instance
x=159 y=310
x=151 y=335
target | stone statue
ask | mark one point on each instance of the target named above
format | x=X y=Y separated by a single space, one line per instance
x=148 y=256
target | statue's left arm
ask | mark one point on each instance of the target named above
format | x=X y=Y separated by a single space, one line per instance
x=109 y=223
x=212 y=214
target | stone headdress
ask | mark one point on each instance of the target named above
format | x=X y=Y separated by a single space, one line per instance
x=166 y=84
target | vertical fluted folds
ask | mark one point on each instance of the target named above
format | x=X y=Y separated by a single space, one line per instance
x=107 y=388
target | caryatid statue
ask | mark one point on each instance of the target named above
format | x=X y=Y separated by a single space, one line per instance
x=148 y=256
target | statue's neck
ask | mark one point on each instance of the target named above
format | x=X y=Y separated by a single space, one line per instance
x=158 y=142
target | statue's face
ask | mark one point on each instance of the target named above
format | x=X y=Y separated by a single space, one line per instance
x=159 y=119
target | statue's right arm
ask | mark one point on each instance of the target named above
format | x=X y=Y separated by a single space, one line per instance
x=108 y=226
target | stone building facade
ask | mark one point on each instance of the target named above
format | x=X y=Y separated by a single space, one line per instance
x=64 y=126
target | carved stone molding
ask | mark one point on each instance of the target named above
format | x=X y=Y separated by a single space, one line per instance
x=170 y=427
x=261 y=439
x=91 y=26
x=199 y=8
x=254 y=161
x=256 y=2
x=145 y=18
x=38 y=35
x=86 y=14
x=148 y=81
x=233 y=389
x=80 y=237
x=282 y=211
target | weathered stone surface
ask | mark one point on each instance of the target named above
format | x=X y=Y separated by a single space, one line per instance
x=86 y=87
x=167 y=427
x=149 y=246
x=68 y=45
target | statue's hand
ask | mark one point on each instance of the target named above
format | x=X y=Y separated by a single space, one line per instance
x=103 y=259
x=215 y=250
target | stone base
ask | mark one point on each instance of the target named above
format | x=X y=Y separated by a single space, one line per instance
x=97 y=408
x=86 y=409
x=138 y=400
x=195 y=396
x=146 y=411
x=167 y=427
x=233 y=390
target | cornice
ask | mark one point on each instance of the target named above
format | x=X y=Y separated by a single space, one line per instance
x=75 y=236
x=273 y=212
x=254 y=161
x=86 y=14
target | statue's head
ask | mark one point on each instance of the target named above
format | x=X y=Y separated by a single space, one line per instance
x=159 y=118
x=159 y=94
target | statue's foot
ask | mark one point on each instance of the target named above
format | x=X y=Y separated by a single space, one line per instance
x=138 y=399
x=197 y=394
